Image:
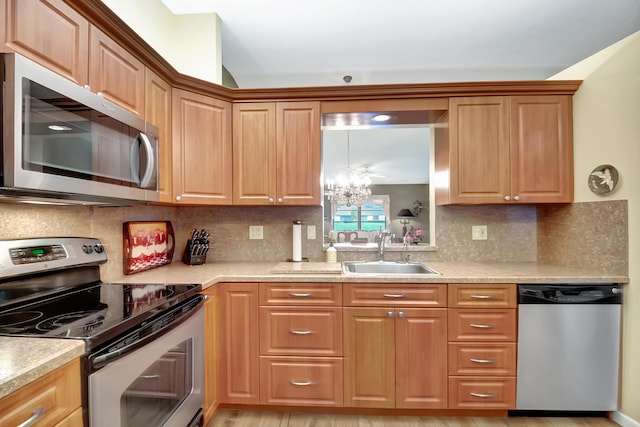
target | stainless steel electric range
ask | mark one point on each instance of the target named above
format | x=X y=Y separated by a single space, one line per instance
x=143 y=364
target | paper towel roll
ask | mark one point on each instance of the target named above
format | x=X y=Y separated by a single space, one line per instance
x=297 y=241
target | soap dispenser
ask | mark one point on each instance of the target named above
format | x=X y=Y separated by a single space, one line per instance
x=332 y=254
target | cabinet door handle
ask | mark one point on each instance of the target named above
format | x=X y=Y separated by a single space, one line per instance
x=483 y=296
x=507 y=198
x=516 y=198
x=294 y=332
x=483 y=395
x=270 y=200
x=35 y=415
x=476 y=325
x=150 y=377
x=483 y=360
x=300 y=295
x=394 y=295
x=280 y=200
x=302 y=383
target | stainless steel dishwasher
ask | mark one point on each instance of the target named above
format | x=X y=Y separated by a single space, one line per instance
x=568 y=347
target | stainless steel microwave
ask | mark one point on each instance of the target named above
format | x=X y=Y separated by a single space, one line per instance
x=65 y=143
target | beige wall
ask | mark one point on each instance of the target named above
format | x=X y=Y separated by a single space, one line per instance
x=606 y=111
x=191 y=43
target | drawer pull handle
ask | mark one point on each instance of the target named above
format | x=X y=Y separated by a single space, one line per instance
x=483 y=360
x=394 y=295
x=35 y=416
x=150 y=377
x=297 y=295
x=294 y=332
x=483 y=395
x=476 y=325
x=483 y=296
x=302 y=383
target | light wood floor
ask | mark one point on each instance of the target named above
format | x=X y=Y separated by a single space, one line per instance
x=238 y=418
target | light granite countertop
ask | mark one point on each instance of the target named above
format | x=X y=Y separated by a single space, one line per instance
x=469 y=272
x=24 y=359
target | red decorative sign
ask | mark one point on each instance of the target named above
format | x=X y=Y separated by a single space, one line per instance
x=147 y=245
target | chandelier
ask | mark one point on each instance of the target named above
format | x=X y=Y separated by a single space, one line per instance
x=349 y=186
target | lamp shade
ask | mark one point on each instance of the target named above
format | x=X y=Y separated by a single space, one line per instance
x=404 y=213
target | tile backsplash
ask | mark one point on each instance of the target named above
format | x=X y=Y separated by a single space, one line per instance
x=573 y=235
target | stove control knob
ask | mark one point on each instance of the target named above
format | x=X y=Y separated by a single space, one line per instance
x=98 y=248
x=87 y=249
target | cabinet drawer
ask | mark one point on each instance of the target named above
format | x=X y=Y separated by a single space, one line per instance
x=482 y=392
x=57 y=394
x=394 y=295
x=485 y=295
x=301 y=294
x=301 y=381
x=482 y=324
x=307 y=331
x=482 y=359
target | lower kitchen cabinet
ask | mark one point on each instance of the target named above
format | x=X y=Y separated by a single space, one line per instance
x=56 y=394
x=482 y=324
x=211 y=353
x=367 y=345
x=307 y=381
x=301 y=344
x=239 y=362
x=395 y=358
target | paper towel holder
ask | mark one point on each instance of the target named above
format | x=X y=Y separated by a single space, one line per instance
x=297 y=246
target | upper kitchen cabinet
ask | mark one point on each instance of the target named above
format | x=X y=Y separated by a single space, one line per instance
x=201 y=149
x=115 y=73
x=49 y=32
x=158 y=112
x=505 y=149
x=276 y=157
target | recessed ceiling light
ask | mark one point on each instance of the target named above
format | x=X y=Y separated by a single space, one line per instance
x=381 y=118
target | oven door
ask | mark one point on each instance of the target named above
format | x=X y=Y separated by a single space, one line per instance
x=158 y=384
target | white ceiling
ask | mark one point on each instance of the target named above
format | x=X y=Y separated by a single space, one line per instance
x=285 y=43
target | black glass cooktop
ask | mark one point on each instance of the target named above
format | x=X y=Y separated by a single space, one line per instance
x=95 y=312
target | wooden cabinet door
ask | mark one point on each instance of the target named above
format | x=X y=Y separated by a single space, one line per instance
x=298 y=153
x=254 y=148
x=276 y=153
x=158 y=112
x=421 y=358
x=479 y=150
x=541 y=149
x=57 y=393
x=239 y=369
x=115 y=73
x=369 y=357
x=211 y=353
x=201 y=149
x=49 y=32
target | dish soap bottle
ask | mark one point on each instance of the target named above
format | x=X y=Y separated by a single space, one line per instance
x=332 y=254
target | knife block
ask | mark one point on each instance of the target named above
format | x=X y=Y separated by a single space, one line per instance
x=189 y=258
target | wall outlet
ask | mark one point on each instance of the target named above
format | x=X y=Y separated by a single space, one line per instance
x=311 y=232
x=478 y=232
x=255 y=232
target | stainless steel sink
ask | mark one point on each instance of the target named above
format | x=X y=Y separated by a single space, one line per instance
x=383 y=267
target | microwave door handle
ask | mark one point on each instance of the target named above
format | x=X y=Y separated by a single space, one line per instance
x=148 y=172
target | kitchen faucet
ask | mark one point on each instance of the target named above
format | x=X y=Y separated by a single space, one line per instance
x=381 y=241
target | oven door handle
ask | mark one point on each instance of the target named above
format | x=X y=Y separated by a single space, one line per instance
x=99 y=361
